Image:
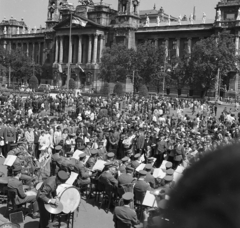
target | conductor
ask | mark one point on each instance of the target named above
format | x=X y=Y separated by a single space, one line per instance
x=46 y=194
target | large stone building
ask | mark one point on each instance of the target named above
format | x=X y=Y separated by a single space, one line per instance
x=96 y=26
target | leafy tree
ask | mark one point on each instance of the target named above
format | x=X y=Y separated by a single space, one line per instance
x=22 y=66
x=116 y=63
x=143 y=91
x=33 y=82
x=209 y=55
x=105 y=89
x=149 y=61
x=72 y=84
x=118 y=89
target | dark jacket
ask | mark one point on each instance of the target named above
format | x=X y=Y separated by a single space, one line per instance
x=108 y=179
x=125 y=215
x=14 y=183
x=125 y=179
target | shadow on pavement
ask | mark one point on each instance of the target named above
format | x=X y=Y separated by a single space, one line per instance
x=32 y=224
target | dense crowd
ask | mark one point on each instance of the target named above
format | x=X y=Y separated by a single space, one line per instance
x=44 y=132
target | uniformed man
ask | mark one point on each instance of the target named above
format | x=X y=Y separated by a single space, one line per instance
x=124 y=216
x=136 y=161
x=149 y=178
x=123 y=166
x=126 y=178
x=106 y=177
x=46 y=194
x=84 y=173
x=21 y=198
x=92 y=160
x=141 y=185
x=56 y=160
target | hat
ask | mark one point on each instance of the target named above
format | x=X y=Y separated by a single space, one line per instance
x=72 y=135
x=137 y=155
x=129 y=168
x=148 y=167
x=93 y=152
x=110 y=155
x=127 y=196
x=150 y=159
x=17 y=168
x=168 y=178
x=168 y=165
x=62 y=175
x=162 y=204
x=178 y=158
x=58 y=147
x=125 y=159
x=169 y=171
x=82 y=155
x=108 y=164
x=143 y=172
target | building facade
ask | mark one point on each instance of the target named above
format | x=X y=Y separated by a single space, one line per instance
x=96 y=26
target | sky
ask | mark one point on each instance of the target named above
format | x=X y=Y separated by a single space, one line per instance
x=34 y=12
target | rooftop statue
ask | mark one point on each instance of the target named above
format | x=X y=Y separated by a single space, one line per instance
x=180 y=20
x=51 y=10
x=158 y=21
x=169 y=20
x=238 y=16
x=5 y=30
x=191 y=19
x=204 y=18
x=86 y=2
x=147 y=22
x=23 y=30
x=219 y=14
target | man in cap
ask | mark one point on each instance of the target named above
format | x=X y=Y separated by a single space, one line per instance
x=141 y=185
x=107 y=178
x=124 y=216
x=136 y=161
x=46 y=194
x=126 y=178
x=92 y=160
x=21 y=197
x=149 y=178
x=56 y=160
x=84 y=173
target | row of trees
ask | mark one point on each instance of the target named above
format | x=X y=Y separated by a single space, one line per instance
x=197 y=70
x=22 y=67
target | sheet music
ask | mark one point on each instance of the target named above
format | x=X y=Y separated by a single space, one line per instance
x=176 y=176
x=142 y=159
x=149 y=200
x=163 y=165
x=10 y=160
x=76 y=154
x=72 y=178
x=179 y=169
x=87 y=157
x=99 y=165
x=158 y=173
x=140 y=167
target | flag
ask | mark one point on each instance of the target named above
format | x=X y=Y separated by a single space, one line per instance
x=78 y=21
x=60 y=68
x=80 y=68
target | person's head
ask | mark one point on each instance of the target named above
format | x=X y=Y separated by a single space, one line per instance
x=127 y=198
x=129 y=170
x=62 y=176
x=17 y=171
x=208 y=194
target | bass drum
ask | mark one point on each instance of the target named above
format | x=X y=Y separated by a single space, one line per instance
x=70 y=198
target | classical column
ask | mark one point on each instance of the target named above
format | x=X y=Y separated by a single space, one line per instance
x=237 y=44
x=33 y=57
x=39 y=52
x=56 y=50
x=90 y=49
x=101 y=47
x=156 y=42
x=27 y=49
x=178 y=48
x=10 y=46
x=70 y=50
x=166 y=47
x=61 y=50
x=189 y=45
x=80 y=49
x=95 y=49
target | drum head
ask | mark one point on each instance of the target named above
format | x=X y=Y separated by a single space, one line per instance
x=70 y=198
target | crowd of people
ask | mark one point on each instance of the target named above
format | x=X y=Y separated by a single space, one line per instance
x=45 y=132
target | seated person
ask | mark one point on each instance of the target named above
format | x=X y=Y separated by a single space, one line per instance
x=92 y=160
x=107 y=178
x=126 y=178
x=21 y=197
x=123 y=215
x=149 y=178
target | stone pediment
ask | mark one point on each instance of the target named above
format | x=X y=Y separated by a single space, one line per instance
x=66 y=24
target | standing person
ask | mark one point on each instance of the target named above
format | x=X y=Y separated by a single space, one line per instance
x=29 y=136
x=215 y=109
x=36 y=133
x=46 y=194
x=2 y=143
